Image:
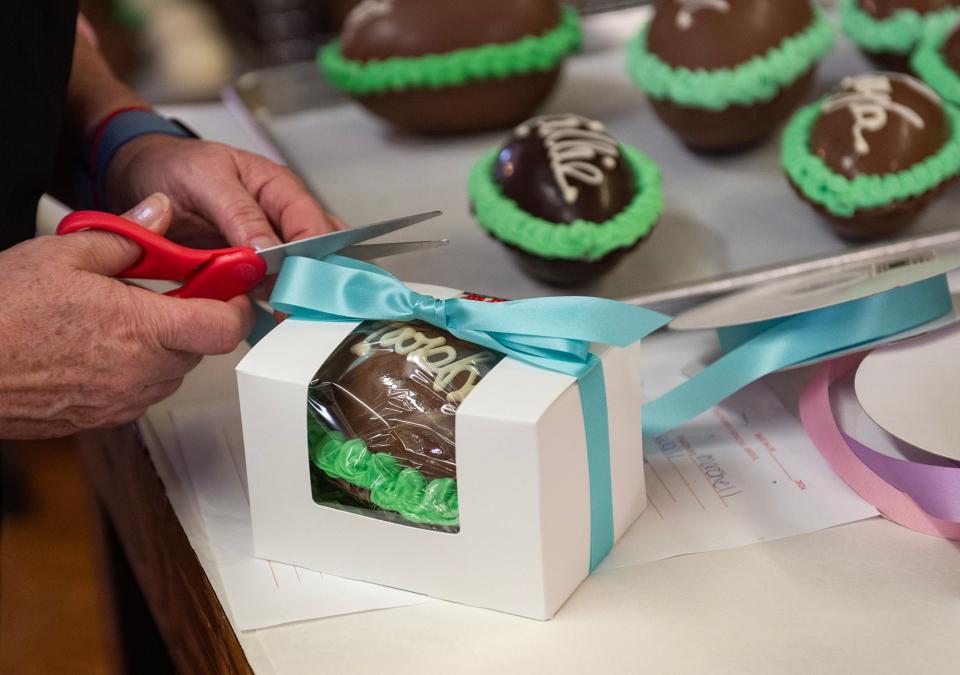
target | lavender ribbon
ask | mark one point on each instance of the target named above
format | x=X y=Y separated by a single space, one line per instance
x=935 y=488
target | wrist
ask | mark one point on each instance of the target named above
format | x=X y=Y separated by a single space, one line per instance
x=114 y=133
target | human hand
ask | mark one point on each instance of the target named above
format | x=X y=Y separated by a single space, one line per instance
x=79 y=349
x=217 y=191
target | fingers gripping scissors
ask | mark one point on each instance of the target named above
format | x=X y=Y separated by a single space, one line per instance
x=222 y=274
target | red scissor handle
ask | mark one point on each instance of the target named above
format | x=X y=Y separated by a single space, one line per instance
x=218 y=274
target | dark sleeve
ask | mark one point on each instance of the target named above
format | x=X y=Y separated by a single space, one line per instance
x=36 y=50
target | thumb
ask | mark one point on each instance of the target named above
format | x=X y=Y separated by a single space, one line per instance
x=152 y=213
x=109 y=254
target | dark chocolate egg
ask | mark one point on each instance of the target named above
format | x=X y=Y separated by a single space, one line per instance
x=879 y=123
x=380 y=29
x=882 y=9
x=713 y=34
x=563 y=168
x=397 y=386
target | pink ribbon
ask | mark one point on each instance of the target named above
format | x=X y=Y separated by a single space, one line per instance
x=894 y=504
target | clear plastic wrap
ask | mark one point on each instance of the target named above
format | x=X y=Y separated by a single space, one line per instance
x=381 y=422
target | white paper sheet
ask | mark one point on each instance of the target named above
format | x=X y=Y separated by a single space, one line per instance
x=740 y=473
x=258 y=593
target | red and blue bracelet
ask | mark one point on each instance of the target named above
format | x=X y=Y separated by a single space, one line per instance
x=116 y=130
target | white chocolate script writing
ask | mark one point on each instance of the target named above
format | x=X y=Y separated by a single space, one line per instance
x=573 y=143
x=869 y=101
x=685 y=17
x=432 y=354
x=368 y=9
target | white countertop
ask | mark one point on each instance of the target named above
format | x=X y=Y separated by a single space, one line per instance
x=870 y=597
x=867 y=597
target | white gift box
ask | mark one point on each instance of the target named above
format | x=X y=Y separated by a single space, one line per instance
x=524 y=496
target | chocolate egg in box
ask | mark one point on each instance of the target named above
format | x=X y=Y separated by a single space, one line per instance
x=399 y=453
x=381 y=418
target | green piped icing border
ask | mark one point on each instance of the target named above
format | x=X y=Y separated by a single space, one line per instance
x=755 y=81
x=392 y=486
x=842 y=196
x=581 y=239
x=929 y=63
x=434 y=71
x=897 y=34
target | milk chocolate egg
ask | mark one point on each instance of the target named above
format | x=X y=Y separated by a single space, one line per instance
x=389 y=395
x=878 y=125
x=951 y=49
x=884 y=9
x=445 y=66
x=937 y=58
x=888 y=30
x=722 y=74
x=711 y=34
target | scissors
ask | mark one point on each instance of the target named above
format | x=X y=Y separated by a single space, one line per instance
x=222 y=274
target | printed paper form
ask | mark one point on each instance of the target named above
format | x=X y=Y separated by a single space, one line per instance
x=740 y=473
x=258 y=593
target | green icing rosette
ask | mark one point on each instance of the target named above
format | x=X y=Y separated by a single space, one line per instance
x=929 y=63
x=533 y=53
x=844 y=197
x=896 y=34
x=755 y=81
x=580 y=240
x=392 y=487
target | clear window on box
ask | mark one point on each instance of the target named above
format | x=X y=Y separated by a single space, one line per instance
x=381 y=422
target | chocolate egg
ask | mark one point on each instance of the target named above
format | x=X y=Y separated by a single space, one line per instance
x=378 y=30
x=951 y=50
x=882 y=9
x=878 y=124
x=724 y=34
x=712 y=34
x=566 y=198
x=564 y=168
x=397 y=387
x=885 y=10
x=936 y=59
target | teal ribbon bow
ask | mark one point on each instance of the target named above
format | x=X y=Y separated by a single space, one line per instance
x=757 y=349
x=552 y=333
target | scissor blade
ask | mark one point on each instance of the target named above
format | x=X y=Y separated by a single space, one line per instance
x=325 y=244
x=374 y=251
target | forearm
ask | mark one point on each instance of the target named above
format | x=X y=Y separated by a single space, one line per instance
x=94 y=92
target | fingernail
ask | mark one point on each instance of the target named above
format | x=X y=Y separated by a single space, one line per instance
x=262 y=241
x=150 y=208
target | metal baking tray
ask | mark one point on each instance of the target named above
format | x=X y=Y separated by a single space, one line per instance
x=730 y=220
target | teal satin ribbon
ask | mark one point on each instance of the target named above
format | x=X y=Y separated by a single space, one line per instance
x=757 y=349
x=551 y=333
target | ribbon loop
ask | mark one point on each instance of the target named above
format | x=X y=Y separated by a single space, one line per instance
x=550 y=333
